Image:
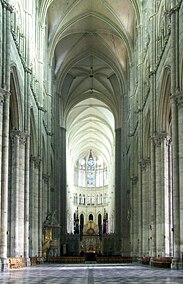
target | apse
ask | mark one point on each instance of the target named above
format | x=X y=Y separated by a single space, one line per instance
x=90 y=163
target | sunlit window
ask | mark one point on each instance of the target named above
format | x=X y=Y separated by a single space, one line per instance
x=90 y=171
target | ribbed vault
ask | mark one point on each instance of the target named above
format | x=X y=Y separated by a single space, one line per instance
x=90 y=41
x=90 y=46
x=90 y=125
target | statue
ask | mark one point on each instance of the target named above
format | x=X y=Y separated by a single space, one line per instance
x=51 y=220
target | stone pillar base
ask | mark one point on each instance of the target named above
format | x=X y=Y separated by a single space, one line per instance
x=28 y=262
x=177 y=263
x=4 y=264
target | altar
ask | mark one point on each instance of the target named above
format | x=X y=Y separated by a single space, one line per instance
x=90 y=242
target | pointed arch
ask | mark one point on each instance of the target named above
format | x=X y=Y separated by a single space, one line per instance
x=164 y=110
x=44 y=155
x=147 y=142
x=181 y=71
x=33 y=134
x=164 y=125
x=16 y=109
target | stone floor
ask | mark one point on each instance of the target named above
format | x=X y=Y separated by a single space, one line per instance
x=90 y=274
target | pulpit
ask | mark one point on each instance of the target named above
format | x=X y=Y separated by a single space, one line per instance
x=51 y=244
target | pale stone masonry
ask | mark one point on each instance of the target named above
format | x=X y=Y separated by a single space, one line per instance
x=100 y=77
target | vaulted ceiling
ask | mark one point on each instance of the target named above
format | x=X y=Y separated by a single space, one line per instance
x=90 y=46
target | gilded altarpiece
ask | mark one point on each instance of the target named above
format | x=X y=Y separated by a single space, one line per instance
x=91 y=241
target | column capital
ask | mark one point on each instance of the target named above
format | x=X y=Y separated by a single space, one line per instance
x=45 y=178
x=175 y=8
x=36 y=161
x=1 y=98
x=18 y=135
x=168 y=139
x=14 y=135
x=134 y=179
x=23 y=137
x=177 y=98
x=158 y=138
x=4 y=92
x=6 y=5
x=173 y=98
x=144 y=163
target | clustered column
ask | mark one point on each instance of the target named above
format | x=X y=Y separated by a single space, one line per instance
x=175 y=171
x=61 y=202
x=45 y=205
x=118 y=194
x=5 y=85
x=180 y=127
x=175 y=147
x=145 y=167
x=1 y=125
x=152 y=79
x=134 y=224
x=159 y=189
x=35 y=163
x=21 y=232
x=16 y=202
x=4 y=182
x=26 y=204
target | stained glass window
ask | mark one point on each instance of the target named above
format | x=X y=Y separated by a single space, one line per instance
x=90 y=171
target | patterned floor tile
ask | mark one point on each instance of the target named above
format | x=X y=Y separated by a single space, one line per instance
x=91 y=274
